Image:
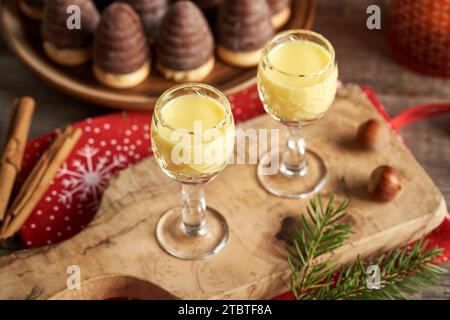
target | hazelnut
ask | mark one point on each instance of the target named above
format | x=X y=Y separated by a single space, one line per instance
x=372 y=134
x=385 y=183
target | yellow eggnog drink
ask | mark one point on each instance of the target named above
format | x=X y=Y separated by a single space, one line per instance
x=192 y=136
x=297 y=80
x=192 y=139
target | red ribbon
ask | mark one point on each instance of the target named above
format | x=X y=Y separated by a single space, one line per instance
x=419 y=112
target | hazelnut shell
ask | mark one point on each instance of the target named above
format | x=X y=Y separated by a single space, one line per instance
x=372 y=134
x=385 y=183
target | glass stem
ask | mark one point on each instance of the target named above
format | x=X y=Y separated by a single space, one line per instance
x=293 y=163
x=194 y=209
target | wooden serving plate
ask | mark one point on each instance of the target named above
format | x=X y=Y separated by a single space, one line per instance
x=118 y=254
x=23 y=37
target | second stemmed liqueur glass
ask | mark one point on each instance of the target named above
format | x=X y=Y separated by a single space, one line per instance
x=192 y=140
x=297 y=82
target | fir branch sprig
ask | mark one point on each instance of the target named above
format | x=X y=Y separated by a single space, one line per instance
x=313 y=239
x=314 y=274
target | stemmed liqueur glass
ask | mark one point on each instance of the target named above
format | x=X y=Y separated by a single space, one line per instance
x=297 y=82
x=192 y=140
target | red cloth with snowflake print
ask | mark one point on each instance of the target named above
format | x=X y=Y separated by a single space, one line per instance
x=111 y=143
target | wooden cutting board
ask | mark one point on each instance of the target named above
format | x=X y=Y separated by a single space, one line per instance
x=118 y=254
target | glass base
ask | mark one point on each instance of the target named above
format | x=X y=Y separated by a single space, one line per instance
x=293 y=185
x=172 y=238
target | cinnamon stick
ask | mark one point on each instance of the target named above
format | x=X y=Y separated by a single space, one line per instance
x=11 y=159
x=39 y=180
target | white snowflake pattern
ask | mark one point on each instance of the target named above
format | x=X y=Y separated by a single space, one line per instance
x=87 y=178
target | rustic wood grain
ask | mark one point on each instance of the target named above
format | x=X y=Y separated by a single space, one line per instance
x=363 y=58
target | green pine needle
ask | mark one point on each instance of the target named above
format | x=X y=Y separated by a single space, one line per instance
x=314 y=277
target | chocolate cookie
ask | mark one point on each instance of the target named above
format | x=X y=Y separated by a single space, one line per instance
x=121 y=54
x=243 y=28
x=185 y=45
x=69 y=45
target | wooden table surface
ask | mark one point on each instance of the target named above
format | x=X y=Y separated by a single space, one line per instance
x=363 y=58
